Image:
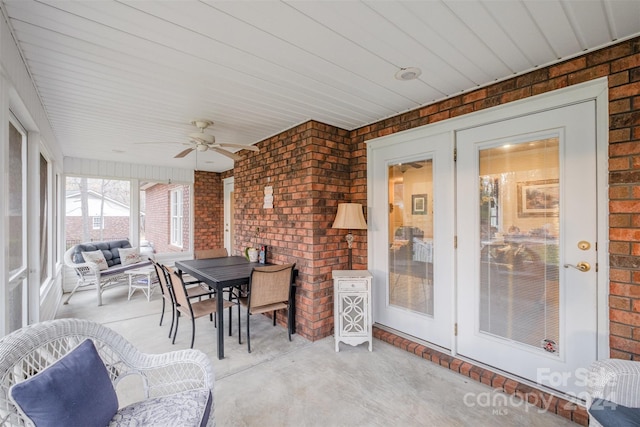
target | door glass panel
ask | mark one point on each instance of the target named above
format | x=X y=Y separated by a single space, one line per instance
x=519 y=230
x=411 y=234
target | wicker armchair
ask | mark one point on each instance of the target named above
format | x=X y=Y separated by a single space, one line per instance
x=614 y=380
x=31 y=349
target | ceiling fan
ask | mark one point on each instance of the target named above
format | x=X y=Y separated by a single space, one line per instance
x=201 y=141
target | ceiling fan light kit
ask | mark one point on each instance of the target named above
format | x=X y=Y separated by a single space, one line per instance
x=201 y=124
x=201 y=141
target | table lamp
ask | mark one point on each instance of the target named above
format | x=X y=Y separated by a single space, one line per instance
x=350 y=217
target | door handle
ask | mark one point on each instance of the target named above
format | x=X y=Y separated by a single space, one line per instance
x=582 y=266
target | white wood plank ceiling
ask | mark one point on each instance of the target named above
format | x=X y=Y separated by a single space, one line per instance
x=112 y=74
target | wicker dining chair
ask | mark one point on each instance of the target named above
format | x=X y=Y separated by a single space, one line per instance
x=182 y=380
x=269 y=291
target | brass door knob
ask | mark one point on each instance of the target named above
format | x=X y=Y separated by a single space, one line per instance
x=582 y=266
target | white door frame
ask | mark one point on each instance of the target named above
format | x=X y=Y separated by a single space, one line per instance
x=439 y=149
x=595 y=89
x=228 y=185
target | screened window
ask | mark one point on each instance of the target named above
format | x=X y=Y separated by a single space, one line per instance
x=97 y=210
x=44 y=220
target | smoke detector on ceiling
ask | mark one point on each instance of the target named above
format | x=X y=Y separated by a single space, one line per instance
x=409 y=73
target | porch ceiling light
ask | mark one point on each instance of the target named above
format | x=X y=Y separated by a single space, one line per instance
x=409 y=73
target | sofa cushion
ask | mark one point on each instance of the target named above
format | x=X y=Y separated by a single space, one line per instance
x=109 y=250
x=129 y=256
x=74 y=391
x=187 y=408
x=96 y=257
x=611 y=414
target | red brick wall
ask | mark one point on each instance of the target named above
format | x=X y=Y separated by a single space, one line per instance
x=308 y=167
x=621 y=64
x=208 y=215
x=158 y=214
x=115 y=228
x=314 y=166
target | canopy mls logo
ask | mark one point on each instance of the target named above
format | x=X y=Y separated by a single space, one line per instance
x=500 y=402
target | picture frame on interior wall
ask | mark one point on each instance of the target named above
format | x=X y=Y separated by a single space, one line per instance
x=419 y=204
x=538 y=198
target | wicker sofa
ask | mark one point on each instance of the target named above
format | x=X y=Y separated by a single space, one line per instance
x=89 y=274
x=178 y=386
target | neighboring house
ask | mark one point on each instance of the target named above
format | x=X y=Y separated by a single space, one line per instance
x=108 y=219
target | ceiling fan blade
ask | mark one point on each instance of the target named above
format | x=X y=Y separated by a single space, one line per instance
x=156 y=142
x=183 y=153
x=241 y=146
x=229 y=154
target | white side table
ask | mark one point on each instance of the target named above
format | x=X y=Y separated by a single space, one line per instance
x=353 y=322
x=136 y=281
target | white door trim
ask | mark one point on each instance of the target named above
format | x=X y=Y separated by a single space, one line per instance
x=595 y=89
x=227 y=183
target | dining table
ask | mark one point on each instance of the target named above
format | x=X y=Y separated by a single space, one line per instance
x=221 y=274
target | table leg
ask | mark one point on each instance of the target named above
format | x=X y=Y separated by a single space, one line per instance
x=149 y=286
x=220 y=329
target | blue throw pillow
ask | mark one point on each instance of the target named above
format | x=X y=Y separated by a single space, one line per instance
x=611 y=414
x=74 y=391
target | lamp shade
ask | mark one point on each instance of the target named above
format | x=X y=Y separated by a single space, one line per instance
x=350 y=216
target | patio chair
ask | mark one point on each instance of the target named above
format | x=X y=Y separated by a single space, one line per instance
x=197 y=291
x=211 y=253
x=217 y=253
x=269 y=291
x=193 y=310
x=613 y=392
x=182 y=380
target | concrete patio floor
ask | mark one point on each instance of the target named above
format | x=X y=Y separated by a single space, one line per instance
x=301 y=383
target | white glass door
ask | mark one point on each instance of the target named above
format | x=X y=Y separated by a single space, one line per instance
x=412 y=237
x=527 y=231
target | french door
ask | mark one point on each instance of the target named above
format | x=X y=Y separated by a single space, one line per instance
x=412 y=247
x=526 y=226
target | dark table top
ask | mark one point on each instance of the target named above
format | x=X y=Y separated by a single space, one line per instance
x=219 y=272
